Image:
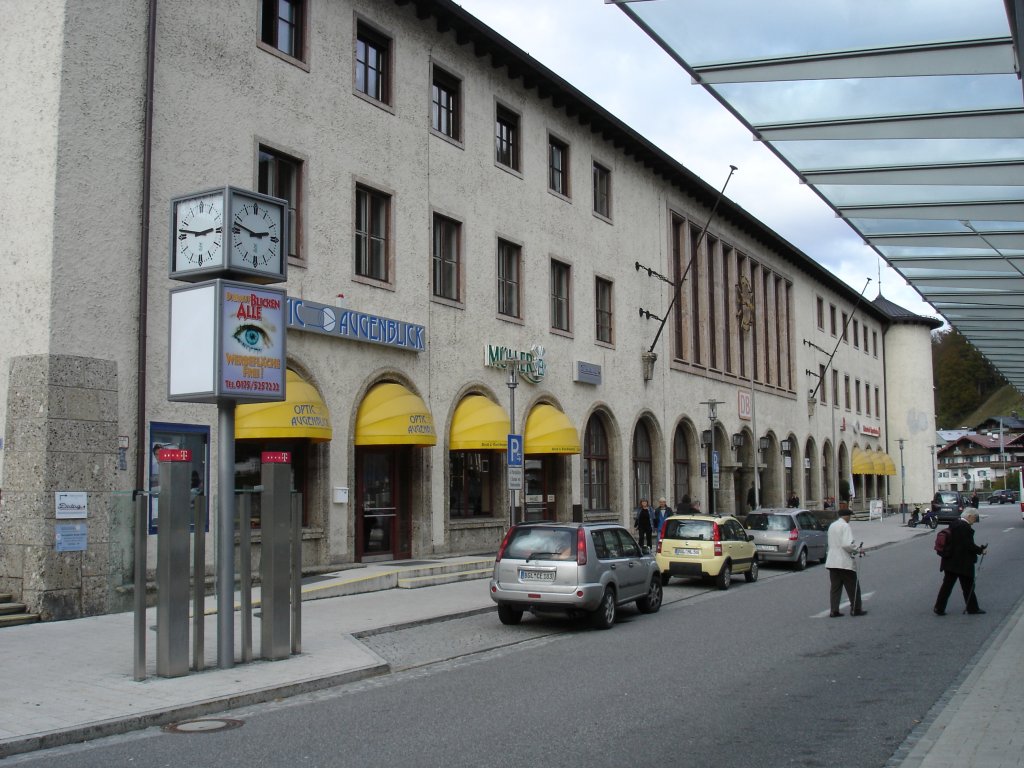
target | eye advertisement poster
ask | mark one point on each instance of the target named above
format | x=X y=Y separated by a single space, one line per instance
x=252 y=345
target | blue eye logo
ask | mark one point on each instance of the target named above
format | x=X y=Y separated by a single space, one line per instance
x=252 y=337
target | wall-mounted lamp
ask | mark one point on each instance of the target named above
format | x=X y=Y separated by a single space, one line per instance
x=647 y=359
x=737 y=441
x=785 y=445
x=764 y=444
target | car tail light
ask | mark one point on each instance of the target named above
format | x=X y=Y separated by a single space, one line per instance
x=716 y=536
x=658 y=550
x=504 y=543
x=793 y=534
x=581 y=546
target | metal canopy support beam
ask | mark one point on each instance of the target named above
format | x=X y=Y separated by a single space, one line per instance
x=992 y=56
x=971 y=124
x=992 y=210
x=988 y=174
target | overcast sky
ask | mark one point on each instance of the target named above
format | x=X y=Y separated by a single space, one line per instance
x=598 y=49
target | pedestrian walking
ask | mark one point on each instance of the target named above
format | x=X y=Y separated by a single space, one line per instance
x=842 y=573
x=643 y=521
x=974 y=499
x=751 y=498
x=684 y=507
x=661 y=512
x=957 y=564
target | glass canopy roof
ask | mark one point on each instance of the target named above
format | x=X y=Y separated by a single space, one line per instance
x=905 y=116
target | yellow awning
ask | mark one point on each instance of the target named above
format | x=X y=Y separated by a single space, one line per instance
x=863 y=463
x=302 y=415
x=392 y=415
x=478 y=425
x=888 y=465
x=548 y=430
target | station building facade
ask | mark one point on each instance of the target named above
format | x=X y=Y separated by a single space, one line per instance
x=456 y=210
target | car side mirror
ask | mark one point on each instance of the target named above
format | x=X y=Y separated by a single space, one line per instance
x=750 y=537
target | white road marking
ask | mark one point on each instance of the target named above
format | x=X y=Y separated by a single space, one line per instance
x=844 y=604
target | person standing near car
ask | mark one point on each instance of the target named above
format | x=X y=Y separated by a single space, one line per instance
x=643 y=521
x=974 y=499
x=958 y=563
x=842 y=573
x=661 y=512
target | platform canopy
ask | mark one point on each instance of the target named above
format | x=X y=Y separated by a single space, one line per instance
x=906 y=118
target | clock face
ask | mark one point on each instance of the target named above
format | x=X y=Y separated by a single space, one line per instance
x=256 y=234
x=199 y=232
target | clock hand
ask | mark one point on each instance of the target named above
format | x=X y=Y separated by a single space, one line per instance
x=251 y=232
x=198 y=233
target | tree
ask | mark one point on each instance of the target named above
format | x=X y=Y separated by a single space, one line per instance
x=963 y=378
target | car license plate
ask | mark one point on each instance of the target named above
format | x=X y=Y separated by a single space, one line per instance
x=536 y=575
x=767 y=548
x=687 y=551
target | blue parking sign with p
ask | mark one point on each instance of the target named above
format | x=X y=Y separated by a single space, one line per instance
x=515 y=450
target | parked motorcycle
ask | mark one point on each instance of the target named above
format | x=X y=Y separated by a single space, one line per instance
x=930 y=518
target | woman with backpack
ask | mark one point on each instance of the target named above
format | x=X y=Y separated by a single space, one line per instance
x=959 y=555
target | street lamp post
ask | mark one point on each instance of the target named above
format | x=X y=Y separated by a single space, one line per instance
x=931 y=448
x=710 y=441
x=903 y=483
x=513 y=382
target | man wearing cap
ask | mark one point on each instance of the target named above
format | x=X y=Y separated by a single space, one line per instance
x=958 y=564
x=839 y=561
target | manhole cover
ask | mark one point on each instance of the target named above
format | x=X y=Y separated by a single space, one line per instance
x=212 y=725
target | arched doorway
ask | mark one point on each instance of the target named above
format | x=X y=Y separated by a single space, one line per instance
x=643 y=464
x=548 y=440
x=683 y=446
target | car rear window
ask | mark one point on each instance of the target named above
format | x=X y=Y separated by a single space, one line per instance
x=698 y=530
x=761 y=522
x=542 y=544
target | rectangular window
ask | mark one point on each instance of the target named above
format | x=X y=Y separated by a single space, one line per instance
x=560 y=287
x=281 y=176
x=835 y=388
x=821 y=314
x=846 y=392
x=856 y=334
x=372 y=223
x=558 y=166
x=603 y=305
x=865 y=339
x=878 y=409
x=856 y=393
x=282 y=26
x=846 y=322
x=602 y=191
x=727 y=308
x=867 y=398
x=373 y=64
x=712 y=249
x=744 y=321
x=506 y=138
x=695 y=297
x=446 y=104
x=446 y=277
x=874 y=343
x=509 y=282
x=678 y=267
x=823 y=387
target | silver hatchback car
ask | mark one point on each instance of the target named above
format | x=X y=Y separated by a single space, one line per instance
x=573 y=568
x=788 y=536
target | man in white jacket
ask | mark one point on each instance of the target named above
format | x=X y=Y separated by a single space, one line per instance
x=841 y=571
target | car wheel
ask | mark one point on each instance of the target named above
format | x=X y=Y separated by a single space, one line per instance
x=651 y=602
x=509 y=615
x=755 y=569
x=724 y=578
x=801 y=560
x=604 y=616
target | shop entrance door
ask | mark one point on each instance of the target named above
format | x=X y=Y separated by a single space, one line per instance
x=383 y=530
x=539 y=479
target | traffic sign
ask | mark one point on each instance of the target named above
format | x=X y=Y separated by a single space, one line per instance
x=515 y=451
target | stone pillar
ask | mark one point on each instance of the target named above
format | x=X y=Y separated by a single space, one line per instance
x=61 y=435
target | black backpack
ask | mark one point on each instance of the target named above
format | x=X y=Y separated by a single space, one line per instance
x=942 y=543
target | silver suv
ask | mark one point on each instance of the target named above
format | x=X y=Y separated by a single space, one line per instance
x=573 y=568
x=788 y=535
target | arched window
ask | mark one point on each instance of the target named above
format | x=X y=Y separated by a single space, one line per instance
x=680 y=466
x=595 y=466
x=641 y=464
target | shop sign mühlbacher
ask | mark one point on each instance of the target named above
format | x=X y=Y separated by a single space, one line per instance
x=530 y=364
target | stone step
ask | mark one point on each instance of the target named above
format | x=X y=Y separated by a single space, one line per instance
x=6 y=597
x=433 y=579
x=14 y=619
x=7 y=607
